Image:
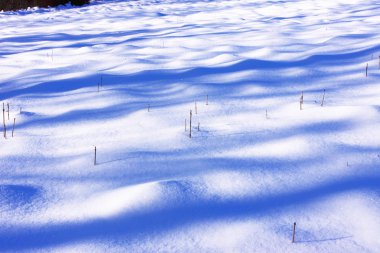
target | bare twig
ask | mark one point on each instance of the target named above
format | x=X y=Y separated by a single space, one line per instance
x=191 y=114
x=95 y=157
x=14 y=123
x=323 y=98
x=4 y=126
x=294 y=232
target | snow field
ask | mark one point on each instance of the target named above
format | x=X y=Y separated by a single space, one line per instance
x=243 y=179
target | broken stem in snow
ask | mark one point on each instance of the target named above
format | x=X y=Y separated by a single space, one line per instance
x=301 y=100
x=14 y=123
x=95 y=157
x=191 y=114
x=4 y=126
x=323 y=98
x=294 y=232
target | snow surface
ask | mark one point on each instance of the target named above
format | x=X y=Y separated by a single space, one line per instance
x=243 y=179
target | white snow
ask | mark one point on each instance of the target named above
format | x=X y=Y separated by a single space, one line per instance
x=124 y=75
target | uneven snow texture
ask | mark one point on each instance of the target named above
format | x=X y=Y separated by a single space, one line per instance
x=76 y=78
